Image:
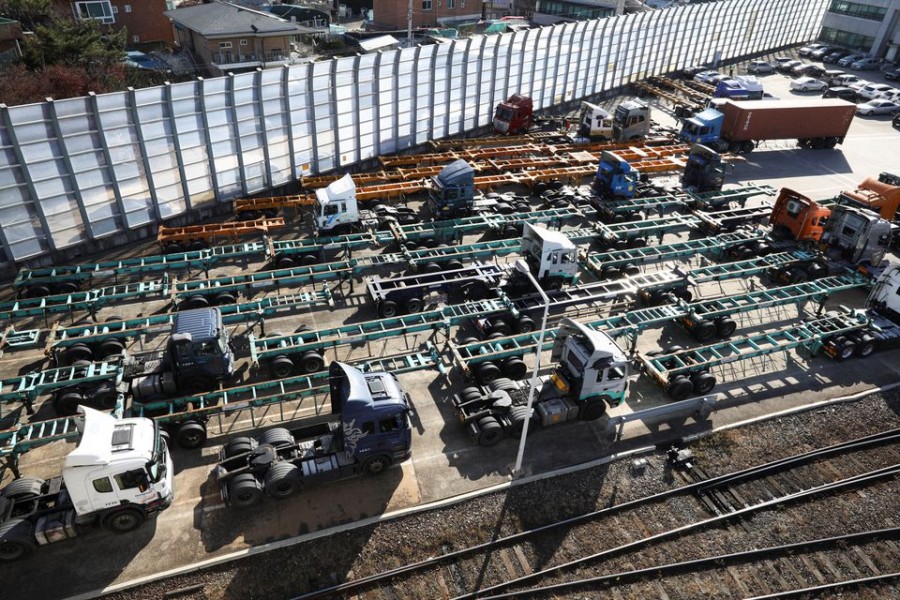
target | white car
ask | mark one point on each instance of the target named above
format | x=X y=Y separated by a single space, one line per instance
x=808 y=84
x=708 y=76
x=873 y=90
x=878 y=107
x=760 y=66
x=892 y=94
x=844 y=80
x=858 y=85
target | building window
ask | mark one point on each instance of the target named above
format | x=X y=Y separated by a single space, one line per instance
x=224 y=45
x=426 y=4
x=862 y=11
x=243 y=42
x=451 y=3
x=101 y=10
x=128 y=8
x=115 y=9
x=135 y=38
x=853 y=41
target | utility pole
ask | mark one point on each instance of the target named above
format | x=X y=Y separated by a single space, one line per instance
x=409 y=24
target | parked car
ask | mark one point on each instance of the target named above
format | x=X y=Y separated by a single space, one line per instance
x=760 y=66
x=878 y=107
x=781 y=59
x=844 y=93
x=821 y=52
x=692 y=70
x=796 y=69
x=858 y=85
x=892 y=94
x=787 y=66
x=808 y=84
x=849 y=59
x=865 y=64
x=873 y=90
x=709 y=76
x=809 y=71
x=809 y=49
x=830 y=74
x=830 y=59
x=846 y=79
x=896 y=121
x=892 y=74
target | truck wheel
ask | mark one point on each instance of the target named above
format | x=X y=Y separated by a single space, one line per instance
x=105 y=395
x=243 y=491
x=249 y=215
x=431 y=267
x=477 y=291
x=16 y=540
x=66 y=287
x=487 y=372
x=312 y=362
x=111 y=348
x=123 y=520
x=198 y=245
x=66 y=403
x=502 y=384
x=685 y=294
x=454 y=264
x=277 y=437
x=610 y=272
x=308 y=260
x=514 y=368
x=631 y=269
x=725 y=326
x=490 y=432
x=844 y=347
x=865 y=345
x=592 y=410
x=375 y=465
x=284 y=262
x=468 y=340
x=224 y=298
x=195 y=384
x=239 y=445
x=77 y=352
x=23 y=489
x=387 y=309
x=703 y=330
x=173 y=248
x=38 y=290
x=470 y=393
x=190 y=435
x=517 y=417
x=798 y=275
x=194 y=302
x=499 y=325
x=703 y=382
x=414 y=305
x=816 y=270
x=525 y=324
x=681 y=388
x=282 y=480
x=281 y=367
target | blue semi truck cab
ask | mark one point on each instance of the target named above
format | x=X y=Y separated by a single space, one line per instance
x=615 y=179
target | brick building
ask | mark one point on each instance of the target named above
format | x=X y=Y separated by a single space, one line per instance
x=143 y=19
x=426 y=13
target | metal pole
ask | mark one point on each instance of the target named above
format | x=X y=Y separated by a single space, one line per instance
x=517 y=469
x=409 y=24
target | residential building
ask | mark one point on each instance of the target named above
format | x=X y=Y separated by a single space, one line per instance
x=426 y=13
x=225 y=37
x=549 y=12
x=144 y=20
x=870 y=26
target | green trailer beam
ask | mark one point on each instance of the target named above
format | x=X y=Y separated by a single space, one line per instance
x=719 y=198
x=27 y=388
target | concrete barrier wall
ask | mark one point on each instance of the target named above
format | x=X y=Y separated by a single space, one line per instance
x=96 y=172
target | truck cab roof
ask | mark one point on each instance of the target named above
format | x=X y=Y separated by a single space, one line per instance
x=342 y=189
x=459 y=172
x=354 y=393
x=545 y=239
x=706 y=117
x=104 y=437
x=200 y=324
x=599 y=345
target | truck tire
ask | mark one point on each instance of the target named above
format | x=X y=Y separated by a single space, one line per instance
x=375 y=465
x=684 y=293
x=66 y=403
x=239 y=445
x=111 y=348
x=284 y=262
x=500 y=326
x=468 y=340
x=514 y=368
x=431 y=267
x=277 y=437
x=249 y=215
x=105 y=395
x=502 y=384
x=525 y=324
x=191 y=434
x=865 y=344
x=844 y=348
x=517 y=417
x=703 y=330
x=414 y=305
x=797 y=275
x=308 y=260
x=680 y=388
x=486 y=372
x=123 y=520
x=703 y=382
x=490 y=432
x=173 y=248
x=198 y=245
x=77 y=352
x=387 y=309
x=224 y=298
x=593 y=409
x=454 y=264
x=631 y=269
x=470 y=393
x=243 y=491
x=725 y=326
x=38 y=290
x=312 y=362
x=193 y=302
x=23 y=489
x=281 y=367
x=477 y=291
x=610 y=272
x=66 y=287
x=16 y=540
x=282 y=480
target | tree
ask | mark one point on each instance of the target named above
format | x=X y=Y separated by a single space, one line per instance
x=30 y=13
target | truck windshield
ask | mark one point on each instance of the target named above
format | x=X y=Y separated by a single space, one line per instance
x=504 y=113
x=156 y=468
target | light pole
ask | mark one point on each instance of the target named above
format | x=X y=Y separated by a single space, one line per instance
x=522 y=267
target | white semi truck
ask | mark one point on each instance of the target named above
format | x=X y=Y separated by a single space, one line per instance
x=118 y=476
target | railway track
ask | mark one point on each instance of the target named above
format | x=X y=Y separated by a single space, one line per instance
x=566 y=553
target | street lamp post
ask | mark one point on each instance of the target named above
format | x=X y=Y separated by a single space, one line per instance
x=522 y=267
